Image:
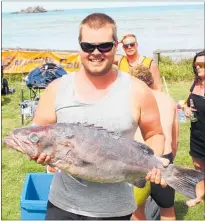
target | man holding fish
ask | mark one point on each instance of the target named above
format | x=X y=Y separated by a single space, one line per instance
x=90 y=118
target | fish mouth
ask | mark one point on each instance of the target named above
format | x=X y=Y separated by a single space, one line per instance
x=14 y=143
x=18 y=144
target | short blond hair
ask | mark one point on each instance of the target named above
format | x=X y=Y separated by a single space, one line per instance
x=126 y=36
x=143 y=73
x=97 y=21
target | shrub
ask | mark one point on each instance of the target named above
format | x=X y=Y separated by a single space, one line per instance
x=176 y=70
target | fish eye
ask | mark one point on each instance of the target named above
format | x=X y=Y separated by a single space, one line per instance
x=33 y=137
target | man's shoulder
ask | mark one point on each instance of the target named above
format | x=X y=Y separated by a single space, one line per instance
x=139 y=88
x=145 y=57
x=118 y=58
x=54 y=83
x=126 y=78
x=146 y=61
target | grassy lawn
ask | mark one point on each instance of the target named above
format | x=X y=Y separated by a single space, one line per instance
x=15 y=165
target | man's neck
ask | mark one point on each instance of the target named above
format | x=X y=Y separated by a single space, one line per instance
x=133 y=59
x=96 y=82
x=90 y=88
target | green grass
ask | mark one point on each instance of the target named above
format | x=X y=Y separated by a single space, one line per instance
x=15 y=165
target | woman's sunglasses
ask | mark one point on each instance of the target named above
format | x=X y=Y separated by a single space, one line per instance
x=103 y=47
x=126 y=46
x=199 y=64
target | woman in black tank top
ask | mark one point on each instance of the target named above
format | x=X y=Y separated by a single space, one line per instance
x=196 y=111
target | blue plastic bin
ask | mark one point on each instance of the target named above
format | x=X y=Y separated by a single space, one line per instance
x=34 y=196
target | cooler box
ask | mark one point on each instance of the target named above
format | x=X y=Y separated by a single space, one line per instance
x=34 y=196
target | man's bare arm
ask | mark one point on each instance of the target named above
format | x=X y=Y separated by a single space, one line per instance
x=45 y=112
x=149 y=118
x=117 y=59
x=156 y=75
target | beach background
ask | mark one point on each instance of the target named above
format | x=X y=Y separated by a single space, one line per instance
x=156 y=27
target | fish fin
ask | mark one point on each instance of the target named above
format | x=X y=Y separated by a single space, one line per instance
x=146 y=149
x=79 y=181
x=164 y=161
x=193 y=202
x=116 y=134
x=140 y=183
x=85 y=124
x=183 y=180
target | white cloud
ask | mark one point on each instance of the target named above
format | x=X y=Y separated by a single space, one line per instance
x=17 y=6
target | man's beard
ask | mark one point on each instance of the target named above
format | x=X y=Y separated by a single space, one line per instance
x=99 y=73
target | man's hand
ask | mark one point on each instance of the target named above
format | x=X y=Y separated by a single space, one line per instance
x=154 y=176
x=41 y=159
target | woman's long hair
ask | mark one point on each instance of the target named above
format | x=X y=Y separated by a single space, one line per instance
x=196 y=77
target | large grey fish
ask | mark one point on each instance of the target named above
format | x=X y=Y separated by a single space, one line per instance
x=95 y=154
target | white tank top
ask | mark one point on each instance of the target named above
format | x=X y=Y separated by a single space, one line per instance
x=113 y=112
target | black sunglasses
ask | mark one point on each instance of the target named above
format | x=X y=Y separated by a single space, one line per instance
x=103 y=47
x=130 y=44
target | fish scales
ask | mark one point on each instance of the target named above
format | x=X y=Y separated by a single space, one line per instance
x=92 y=153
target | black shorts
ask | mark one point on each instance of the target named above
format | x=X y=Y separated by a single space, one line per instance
x=55 y=213
x=164 y=197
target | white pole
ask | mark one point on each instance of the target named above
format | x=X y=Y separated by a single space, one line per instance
x=165 y=84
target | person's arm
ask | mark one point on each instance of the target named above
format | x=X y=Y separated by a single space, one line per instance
x=175 y=133
x=117 y=59
x=45 y=114
x=156 y=76
x=45 y=111
x=148 y=117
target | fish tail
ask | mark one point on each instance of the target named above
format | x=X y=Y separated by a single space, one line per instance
x=183 y=180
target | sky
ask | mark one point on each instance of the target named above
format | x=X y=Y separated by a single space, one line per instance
x=17 y=6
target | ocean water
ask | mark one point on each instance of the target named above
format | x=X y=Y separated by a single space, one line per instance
x=156 y=27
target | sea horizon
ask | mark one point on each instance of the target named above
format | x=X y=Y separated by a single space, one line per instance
x=156 y=27
x=146 y=7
